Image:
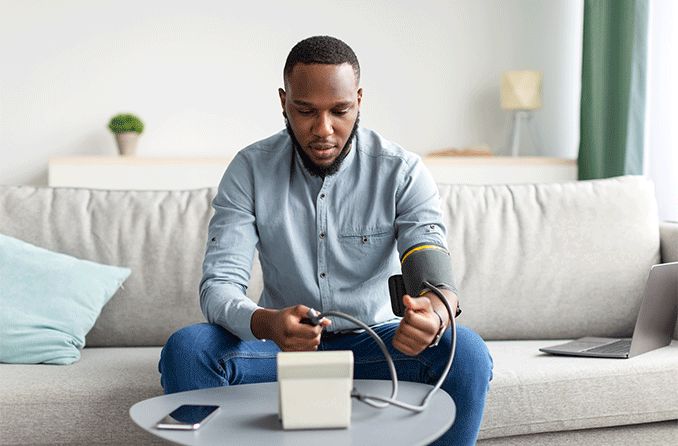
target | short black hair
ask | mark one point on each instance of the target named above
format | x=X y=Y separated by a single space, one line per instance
x=325 y=50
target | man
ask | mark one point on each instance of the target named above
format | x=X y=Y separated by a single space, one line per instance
x=329 y=206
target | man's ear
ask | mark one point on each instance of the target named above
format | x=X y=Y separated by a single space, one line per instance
x=282 y=95
x=360 y=96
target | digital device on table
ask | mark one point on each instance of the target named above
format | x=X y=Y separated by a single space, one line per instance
x=188 y=417
x=654 y=325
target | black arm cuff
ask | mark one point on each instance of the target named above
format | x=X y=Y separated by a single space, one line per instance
x=427 y=263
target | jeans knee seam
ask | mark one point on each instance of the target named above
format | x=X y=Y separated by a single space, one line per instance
x=242 y=355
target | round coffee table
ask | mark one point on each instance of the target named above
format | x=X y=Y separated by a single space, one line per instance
x=249 y=415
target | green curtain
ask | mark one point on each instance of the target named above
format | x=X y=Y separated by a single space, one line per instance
x=614 y=65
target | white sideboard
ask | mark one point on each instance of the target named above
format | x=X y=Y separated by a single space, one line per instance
x=147 y=173
x=117 y=172
x=500 y=169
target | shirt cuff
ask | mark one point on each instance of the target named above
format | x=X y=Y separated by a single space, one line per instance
x=232 y=312
x=239 y=321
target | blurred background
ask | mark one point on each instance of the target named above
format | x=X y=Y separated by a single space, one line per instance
x=204 y=75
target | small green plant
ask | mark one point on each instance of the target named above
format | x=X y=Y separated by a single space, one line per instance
x=125 y=123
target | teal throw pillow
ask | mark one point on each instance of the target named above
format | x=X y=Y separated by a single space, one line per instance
x=49 y=301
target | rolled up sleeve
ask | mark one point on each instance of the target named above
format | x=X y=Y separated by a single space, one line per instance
x=419 y=219
x=418 y=216
x=232 y=239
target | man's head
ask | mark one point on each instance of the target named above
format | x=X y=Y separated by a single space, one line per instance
x=321 y=101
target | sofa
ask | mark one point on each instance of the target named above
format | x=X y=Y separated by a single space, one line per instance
x=535 y=264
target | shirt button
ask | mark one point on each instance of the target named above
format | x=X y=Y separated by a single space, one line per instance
x=322 y=235
x=322 y=275
x=432 y=226
x=322 y=195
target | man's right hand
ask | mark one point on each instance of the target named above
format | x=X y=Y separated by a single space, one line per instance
x=284 y=327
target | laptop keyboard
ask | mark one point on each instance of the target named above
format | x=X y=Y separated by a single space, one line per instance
x=621 y=346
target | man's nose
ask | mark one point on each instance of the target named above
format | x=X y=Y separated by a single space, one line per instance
x=323 y=126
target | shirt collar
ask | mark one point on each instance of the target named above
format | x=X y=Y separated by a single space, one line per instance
x=351 y=155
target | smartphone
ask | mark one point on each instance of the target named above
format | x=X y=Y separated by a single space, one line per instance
x=188 y=417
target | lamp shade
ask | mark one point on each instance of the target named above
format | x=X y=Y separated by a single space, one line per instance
x=521 y=90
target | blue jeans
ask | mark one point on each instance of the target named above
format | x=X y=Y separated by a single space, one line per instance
x=206 y=355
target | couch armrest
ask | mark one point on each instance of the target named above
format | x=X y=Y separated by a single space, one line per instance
x=668 y=238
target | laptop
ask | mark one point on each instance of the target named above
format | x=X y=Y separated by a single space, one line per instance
x=654 y=326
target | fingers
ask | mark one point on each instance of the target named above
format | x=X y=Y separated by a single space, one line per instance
x=415 y=335
x=406 y=344
x=300 y=311
x=302 y=338
x=298 y=345
x=419 y=314
x=426 y=322
x=298 y=336
x=296 y=327
x=415 y=324
x=417 y=304
x=416 y=331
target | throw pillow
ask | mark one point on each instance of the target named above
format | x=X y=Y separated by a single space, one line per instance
x=49 y=301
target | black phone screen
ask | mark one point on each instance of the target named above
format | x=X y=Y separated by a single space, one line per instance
x=188 y=415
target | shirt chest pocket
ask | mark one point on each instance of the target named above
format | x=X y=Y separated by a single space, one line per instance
x=367 y=237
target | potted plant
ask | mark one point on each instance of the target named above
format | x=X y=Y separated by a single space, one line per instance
x=126 y=128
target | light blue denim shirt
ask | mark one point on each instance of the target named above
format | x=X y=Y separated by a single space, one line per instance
x=330 y=243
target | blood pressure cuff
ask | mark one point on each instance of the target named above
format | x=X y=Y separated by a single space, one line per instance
x=421 y=263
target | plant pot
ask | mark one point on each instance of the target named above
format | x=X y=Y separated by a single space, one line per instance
x=127 y=143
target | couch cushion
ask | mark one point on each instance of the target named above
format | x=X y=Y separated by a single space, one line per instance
x=534 y=252
x=160 y=235
x=533 y=392
x=537 y=261
x=86 y=402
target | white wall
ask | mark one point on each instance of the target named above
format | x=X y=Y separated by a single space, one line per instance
x=203 y=75
x=661 y=145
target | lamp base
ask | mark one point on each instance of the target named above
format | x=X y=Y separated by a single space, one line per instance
x=524 y=137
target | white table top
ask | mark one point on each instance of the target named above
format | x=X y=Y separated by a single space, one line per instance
x=249 y=415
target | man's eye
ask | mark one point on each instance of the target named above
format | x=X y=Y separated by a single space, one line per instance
x=305 y=112
x=340 y=112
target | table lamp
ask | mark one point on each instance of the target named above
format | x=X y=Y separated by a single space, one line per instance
x=521 y=93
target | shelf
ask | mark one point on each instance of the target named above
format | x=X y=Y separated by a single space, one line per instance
x=500 y=169
x=150 y=173
x=118 y=172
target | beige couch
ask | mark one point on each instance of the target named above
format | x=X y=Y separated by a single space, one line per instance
x=533 y=262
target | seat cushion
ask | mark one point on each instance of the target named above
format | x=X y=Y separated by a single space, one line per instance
x=533 y=392
x=649 y=434
x=86 y=402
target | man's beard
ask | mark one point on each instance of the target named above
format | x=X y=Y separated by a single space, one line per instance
x=323 y=171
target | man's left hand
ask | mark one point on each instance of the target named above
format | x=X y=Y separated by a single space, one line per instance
x=418 y=327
